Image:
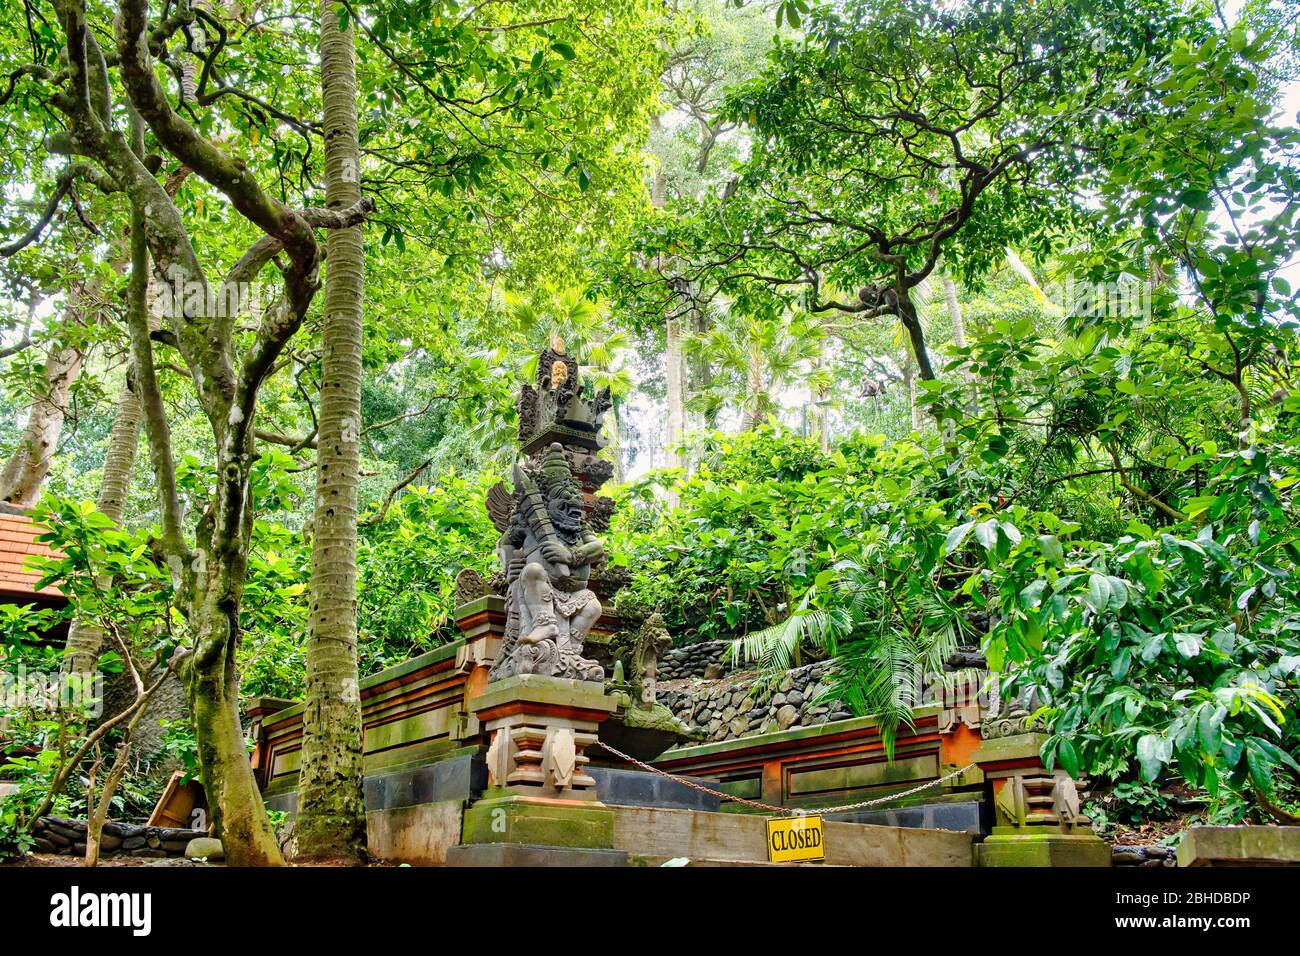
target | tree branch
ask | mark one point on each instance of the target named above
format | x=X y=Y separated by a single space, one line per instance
x=62 y=186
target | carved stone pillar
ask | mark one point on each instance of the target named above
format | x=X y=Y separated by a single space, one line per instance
x=483 y=622
x=538 y=730
x=1037 y=816
x=539 y=794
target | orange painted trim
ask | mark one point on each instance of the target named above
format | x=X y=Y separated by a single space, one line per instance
x=476 y=681
x=480 y=619
x=959 y=746
x=454 y=683
x=814 y=748
x=422 y=674
x=801 y=761
x=378 y=706
x=511 y=708
x=411 y=712
x=1019 y=763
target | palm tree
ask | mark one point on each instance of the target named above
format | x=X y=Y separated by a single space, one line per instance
x=331 y=822
x=887 y=630
x=754 y=359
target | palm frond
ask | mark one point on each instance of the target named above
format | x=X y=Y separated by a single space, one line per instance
x=776 y=649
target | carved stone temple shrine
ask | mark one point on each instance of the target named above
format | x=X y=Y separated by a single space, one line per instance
x=489 y=750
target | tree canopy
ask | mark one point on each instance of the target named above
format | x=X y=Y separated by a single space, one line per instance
x=932 y=330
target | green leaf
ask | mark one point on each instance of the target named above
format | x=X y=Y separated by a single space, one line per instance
x=1209 y=724
x=1032 y=594
x=1050 y=545
x=956 y=536
x=1099 y=592
x=1068 y=757
x=1119 y=665
x=1118 y=592
x=1153 y=752
x=1188 y=645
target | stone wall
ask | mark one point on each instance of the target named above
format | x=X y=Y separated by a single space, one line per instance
x=66 y=837
x=411 y=711
x=149 y=737
x=727 y=709
x=653 y=836
x=706 y=659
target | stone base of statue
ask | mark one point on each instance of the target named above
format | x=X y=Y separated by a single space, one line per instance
x=538 y=730
x=540 y=801
x=1038 y=822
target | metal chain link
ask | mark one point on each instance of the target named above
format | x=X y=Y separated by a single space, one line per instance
x=862 y=804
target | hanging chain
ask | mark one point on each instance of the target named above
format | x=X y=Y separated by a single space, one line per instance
x=863 y=804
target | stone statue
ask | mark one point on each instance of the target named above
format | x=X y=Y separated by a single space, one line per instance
x=554 y=579
x=548 y=544
x=548 y=551
x=635 y=650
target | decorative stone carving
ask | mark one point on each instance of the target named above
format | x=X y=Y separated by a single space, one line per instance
x=539 y=730
x=497 y=583
x=602 y=509
x=1037 y=817
x=636 y=653
x=547 y=522
x=1039 y=798
x=1009 y=717
x=470 y=586
x=559 y=757
x=501 y=758
x=547 y=552
x=532 y=755
x=557 y=410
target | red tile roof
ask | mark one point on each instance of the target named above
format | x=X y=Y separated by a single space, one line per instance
x=17 y=543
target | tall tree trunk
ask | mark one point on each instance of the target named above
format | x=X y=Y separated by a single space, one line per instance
x=676 y=391
x=615 y=447
x=701 y=370
x=674 y=357
x=909 y=383
x=28 y=466
x=224 y=769
x=821 y=410
x=954 y=312
x=755 y=395
x=960 y=340
x=210 y=578
x=84 y=639
x=911 y=320
x=331 y=821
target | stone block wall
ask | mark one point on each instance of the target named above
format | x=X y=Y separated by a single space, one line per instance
x=65 y=837
x=728 y=709
x=705 y=659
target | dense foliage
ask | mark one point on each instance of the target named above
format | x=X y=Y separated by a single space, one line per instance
x=927 y=326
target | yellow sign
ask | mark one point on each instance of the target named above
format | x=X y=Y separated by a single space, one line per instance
x=796 y=840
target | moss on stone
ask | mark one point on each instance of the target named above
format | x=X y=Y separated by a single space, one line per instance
x=1043 y=849
x=538 y=823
